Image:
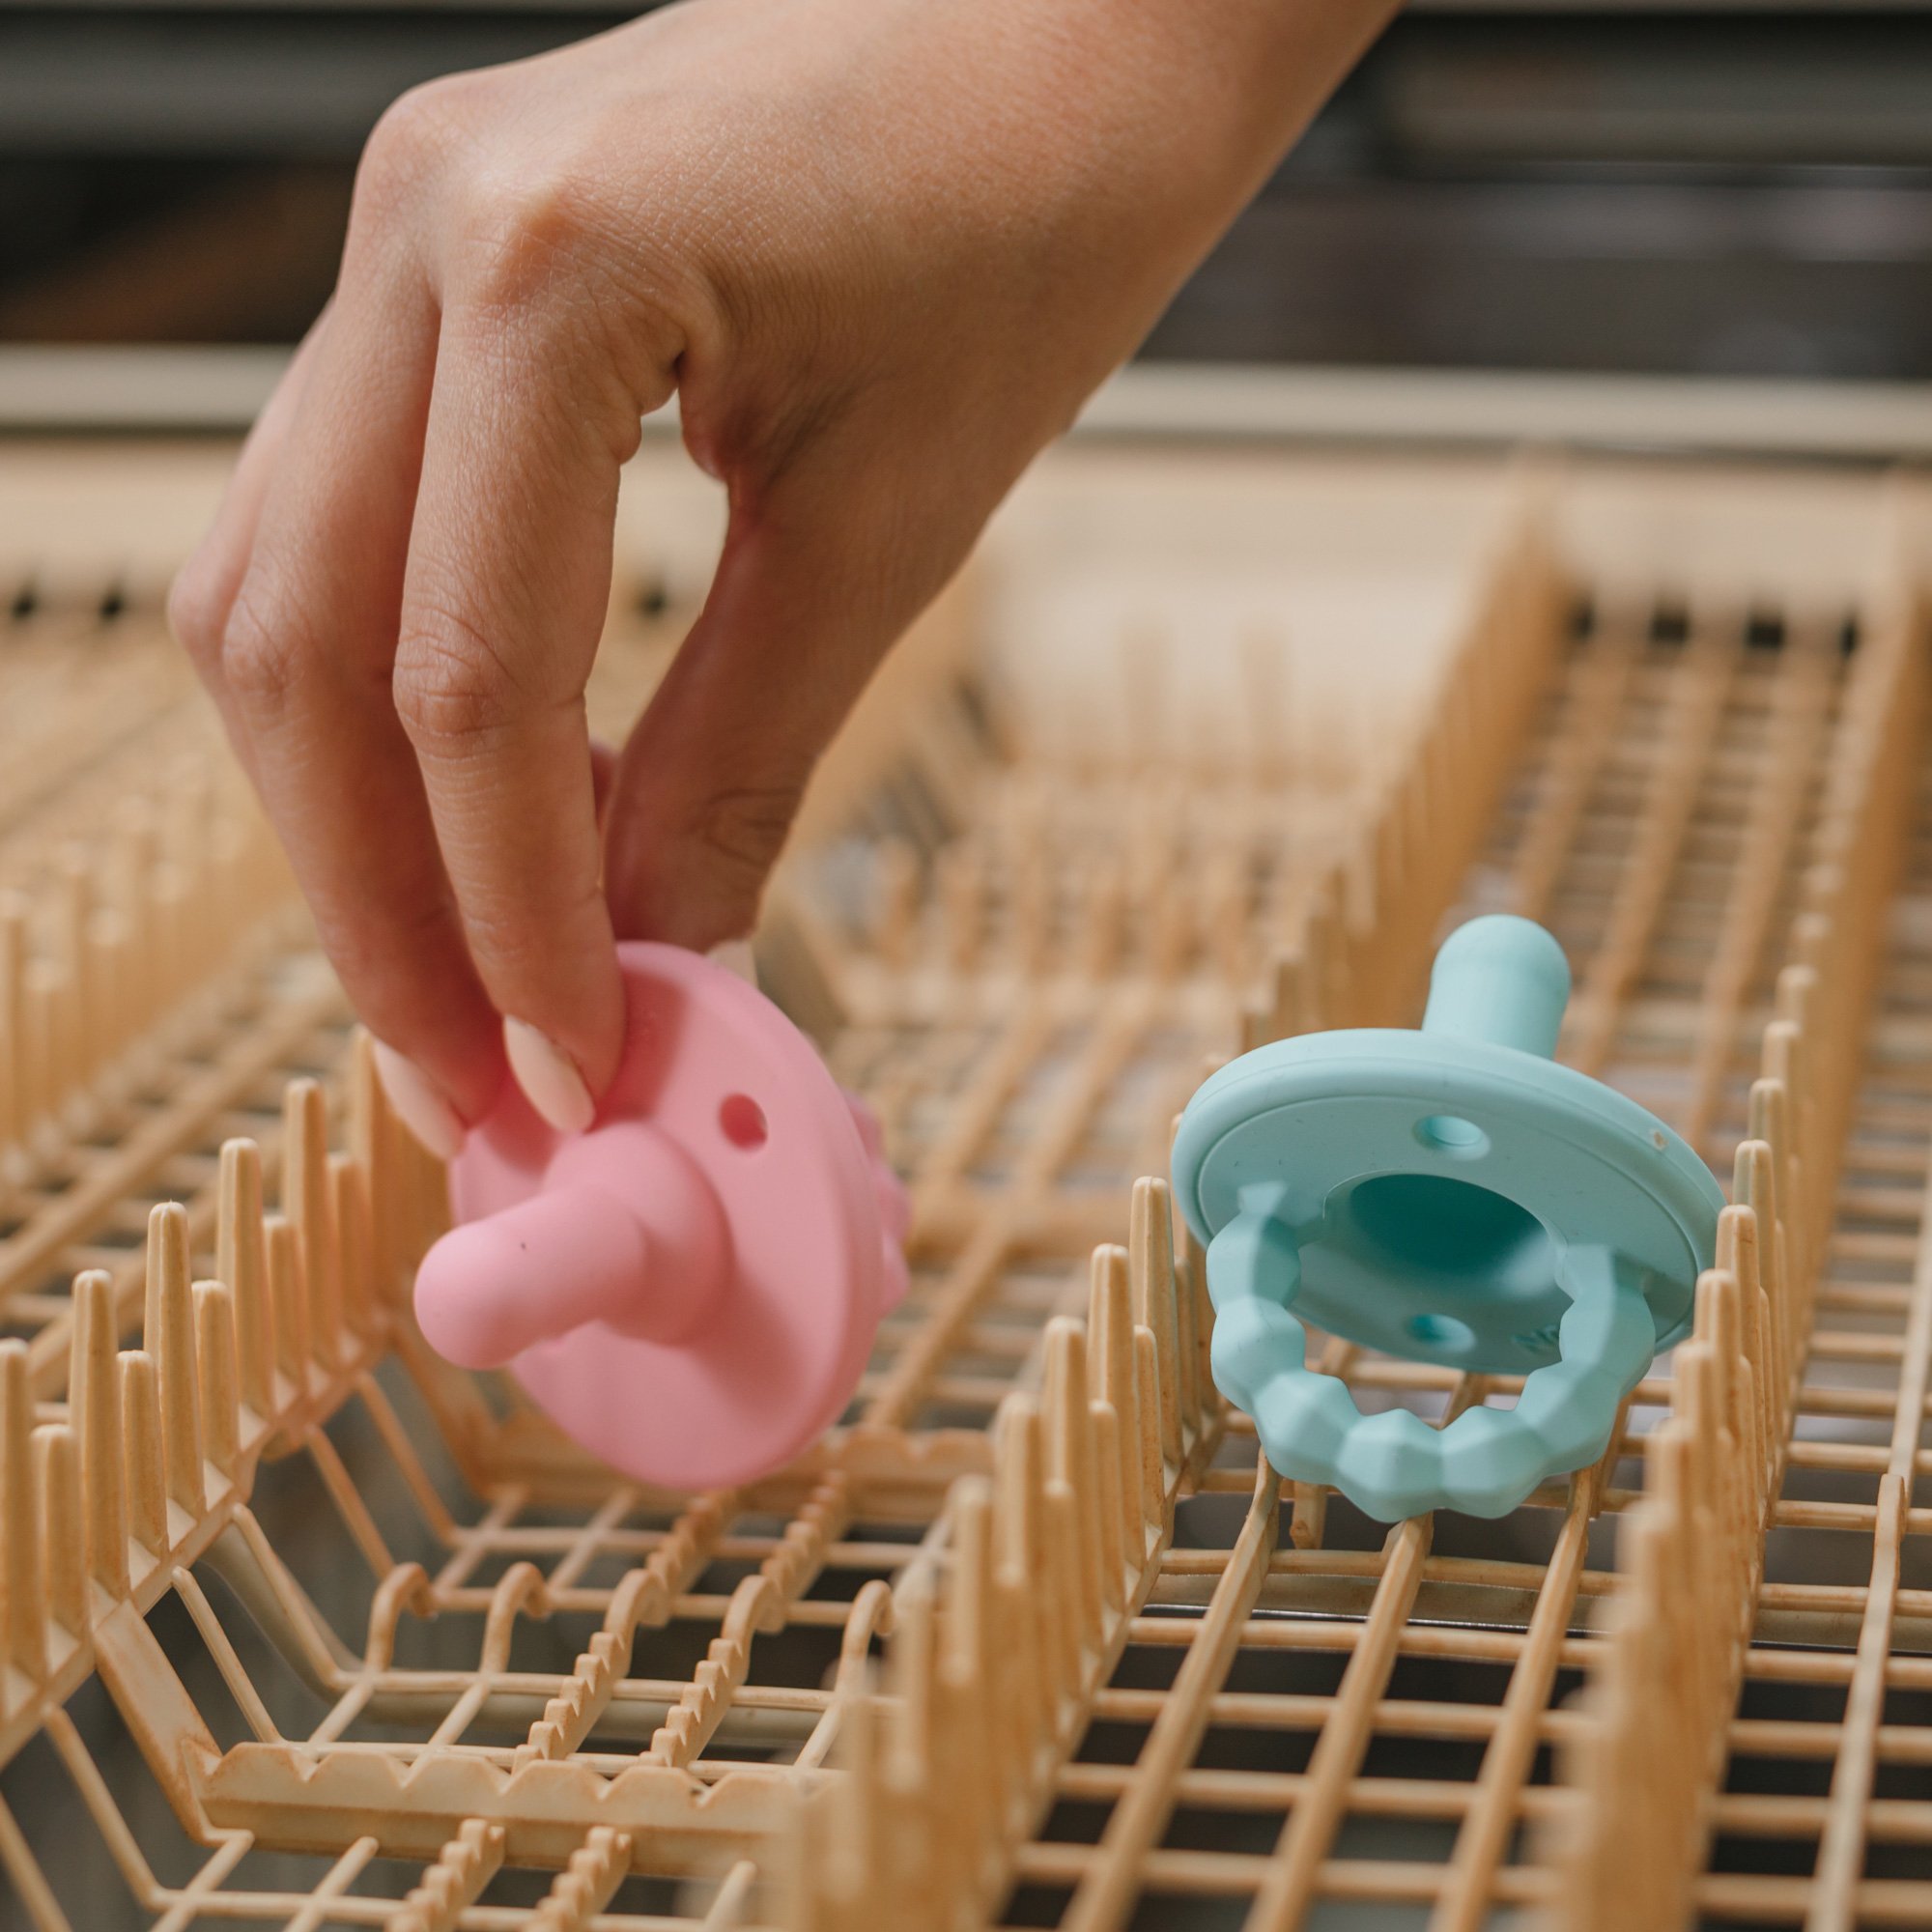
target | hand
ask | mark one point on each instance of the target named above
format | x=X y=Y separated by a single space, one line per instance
x=882 y=249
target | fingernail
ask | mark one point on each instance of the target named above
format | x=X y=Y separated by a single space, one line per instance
x=418 y=1105
x=735 y=957
x=549 y=1078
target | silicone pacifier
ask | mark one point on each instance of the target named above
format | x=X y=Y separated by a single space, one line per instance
x=690 y=1288
x=1452 y=1196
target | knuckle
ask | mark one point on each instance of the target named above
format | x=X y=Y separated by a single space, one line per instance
x=411 y=139
x=520 y=953
x=567 y=271
x=741 y=830
x=260 y=656
x=532 y=235
x=449 y=687
x=196 y=614
x=364 y=953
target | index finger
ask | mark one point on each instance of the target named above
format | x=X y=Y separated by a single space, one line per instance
x=504 y=604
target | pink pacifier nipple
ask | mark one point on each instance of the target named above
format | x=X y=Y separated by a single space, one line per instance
x=691 y=1287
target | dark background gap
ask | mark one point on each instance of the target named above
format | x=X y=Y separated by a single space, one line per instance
x=1742 y=192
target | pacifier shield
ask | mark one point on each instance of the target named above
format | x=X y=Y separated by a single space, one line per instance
x=1451 y=1195
x=745 y=1115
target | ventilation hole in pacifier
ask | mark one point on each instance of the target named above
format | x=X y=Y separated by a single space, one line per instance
x=1451 y=1134
x=1442 y=1331
x=743 y=1121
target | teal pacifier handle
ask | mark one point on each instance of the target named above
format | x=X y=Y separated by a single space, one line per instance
x=1451 y=1195
x=1393 y=1464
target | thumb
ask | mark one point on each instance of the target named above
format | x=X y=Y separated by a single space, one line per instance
x=804 y=604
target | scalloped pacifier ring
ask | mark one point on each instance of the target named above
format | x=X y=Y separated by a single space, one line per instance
x=1394 y=1464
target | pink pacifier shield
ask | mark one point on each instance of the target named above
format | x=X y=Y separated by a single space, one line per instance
x=690 y=1288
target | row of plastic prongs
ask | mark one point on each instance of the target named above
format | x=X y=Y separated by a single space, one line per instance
x=992 y=1661
x=948 y=1770
x=1366 y=923
x=1693 y=1545
x=1160 y=712
x=132 y=924
x=1094 y=916
x=1336 y=977
x=157 y=772
x=1038 y=891
x=78 y=703
x=98 y=1509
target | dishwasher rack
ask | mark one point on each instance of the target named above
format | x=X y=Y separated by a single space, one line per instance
x=303 y=1628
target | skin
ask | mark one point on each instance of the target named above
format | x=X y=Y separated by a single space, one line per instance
x=880 y=250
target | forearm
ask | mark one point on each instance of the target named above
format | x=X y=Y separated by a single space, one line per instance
x=1110 y=141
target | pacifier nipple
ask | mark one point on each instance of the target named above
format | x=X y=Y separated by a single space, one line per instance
x=1501 y=980
x=625 y=1231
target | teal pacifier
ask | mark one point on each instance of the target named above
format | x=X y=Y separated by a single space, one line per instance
x=1452 y=1196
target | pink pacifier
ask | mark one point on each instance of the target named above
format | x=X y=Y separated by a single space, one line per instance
x=691 y=1286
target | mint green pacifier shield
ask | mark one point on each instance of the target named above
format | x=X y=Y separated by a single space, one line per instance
x=1452 y=1196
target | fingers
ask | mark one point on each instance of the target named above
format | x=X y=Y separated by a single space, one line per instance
x=302 y=671
x=811 y=590
x=202 y=592
x=355 y=715
x=507 y=587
